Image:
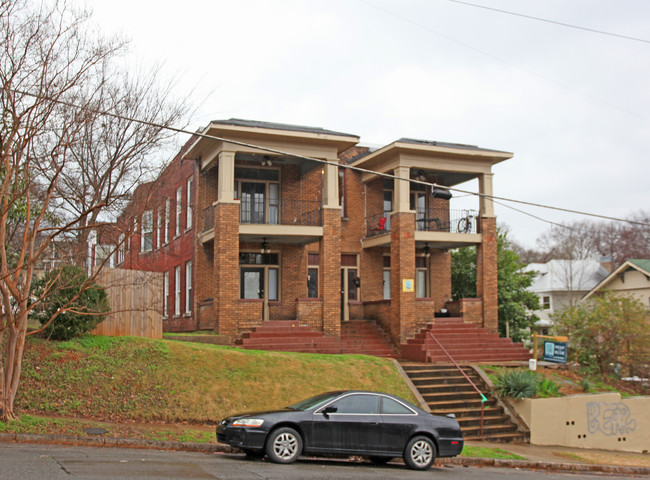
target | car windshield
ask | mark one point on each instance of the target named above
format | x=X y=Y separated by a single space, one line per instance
x=314 y=402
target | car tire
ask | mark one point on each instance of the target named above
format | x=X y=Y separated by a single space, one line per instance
x=420 y=453
x=380 y=460
x=284 y=445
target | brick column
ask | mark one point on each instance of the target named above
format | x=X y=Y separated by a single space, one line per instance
x=330 y=271
x=226 y=267
x=402 y=266
x=486 y=273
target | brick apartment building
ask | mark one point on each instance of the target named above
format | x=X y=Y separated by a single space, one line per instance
x=294 y=236
x=158 y=234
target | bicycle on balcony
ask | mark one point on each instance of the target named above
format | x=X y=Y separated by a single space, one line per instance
x=465 y=223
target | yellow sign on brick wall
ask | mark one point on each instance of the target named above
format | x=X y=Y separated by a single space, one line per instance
x=408 y=285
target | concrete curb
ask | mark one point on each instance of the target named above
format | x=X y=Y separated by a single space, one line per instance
x=217 y=448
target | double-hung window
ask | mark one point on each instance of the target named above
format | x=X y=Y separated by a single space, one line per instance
x=146 y=239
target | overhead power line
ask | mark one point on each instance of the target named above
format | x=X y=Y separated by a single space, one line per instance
x=318 y=160
x=506 y=62
x=554 y=22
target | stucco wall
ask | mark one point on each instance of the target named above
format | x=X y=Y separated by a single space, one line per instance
x=635 y=284
x=603 y=420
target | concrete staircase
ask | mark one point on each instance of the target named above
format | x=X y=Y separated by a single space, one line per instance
x=446 y=391
x=357 y=336
x=465 y=342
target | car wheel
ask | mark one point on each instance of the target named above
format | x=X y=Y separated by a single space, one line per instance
x=380 y=460
x=284 y=445
x=420 y=453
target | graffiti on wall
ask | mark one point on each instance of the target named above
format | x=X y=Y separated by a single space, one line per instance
x=610 y=418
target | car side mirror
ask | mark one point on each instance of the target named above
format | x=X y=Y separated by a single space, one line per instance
x=328 y=410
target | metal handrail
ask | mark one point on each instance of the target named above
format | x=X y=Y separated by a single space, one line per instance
x=483 y=398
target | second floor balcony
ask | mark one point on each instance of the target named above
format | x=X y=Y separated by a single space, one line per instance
x=433 y=220
x=286 y=220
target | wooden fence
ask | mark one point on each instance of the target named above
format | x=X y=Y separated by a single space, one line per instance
x=136 y=303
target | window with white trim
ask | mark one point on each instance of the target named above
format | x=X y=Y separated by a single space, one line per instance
x=190 y=203
x=159 y=228
x=167 y=213
x=177 y=291
x=146 y=239
x=188 y=287
x=166 y=294
x=179 y=197
x=120 y=249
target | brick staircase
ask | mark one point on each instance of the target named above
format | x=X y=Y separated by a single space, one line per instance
x=465 y=342
x=365 y=337
x=447 y=391
x=357 y=336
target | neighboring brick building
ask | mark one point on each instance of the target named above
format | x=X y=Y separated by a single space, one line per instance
x=158 y=231
x=282 y=236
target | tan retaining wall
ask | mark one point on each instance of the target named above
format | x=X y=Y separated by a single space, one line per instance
x=603 y=420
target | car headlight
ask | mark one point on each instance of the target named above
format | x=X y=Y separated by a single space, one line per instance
x=248 y=422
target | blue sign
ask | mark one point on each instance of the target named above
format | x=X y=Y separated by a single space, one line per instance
x=555 y=352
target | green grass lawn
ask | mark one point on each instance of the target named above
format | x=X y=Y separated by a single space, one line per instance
x=130 y=379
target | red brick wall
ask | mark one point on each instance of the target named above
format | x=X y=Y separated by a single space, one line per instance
x=486 y=273
x=330 y=271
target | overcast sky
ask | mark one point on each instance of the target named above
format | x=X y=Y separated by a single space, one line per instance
x=573 y=106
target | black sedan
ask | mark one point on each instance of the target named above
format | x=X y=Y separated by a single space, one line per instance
x=370 y=424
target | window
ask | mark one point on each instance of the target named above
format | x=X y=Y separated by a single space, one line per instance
x=259 y=193
x=421 y=283
x=418 y=202
x=342 y=191
x=104 y=253
x=120 y=249
x=167 y=213
x=179 y=196
x=312 y=275
x=146 y=239
x=166 y=294
x=177 y=291
x=546 y=302
x=190 y=202
x=358 y=404
x=188 y=287
x=159 y=228
x=393 y=407
x=386 y=277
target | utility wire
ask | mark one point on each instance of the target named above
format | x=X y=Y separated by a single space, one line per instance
x=506 y=62
x=317 y=160
x=593 y=30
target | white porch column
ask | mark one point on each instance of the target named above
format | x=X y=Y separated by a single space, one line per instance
x=402 y=190
x=226 y=181
x=486 y=205
x=331 y=184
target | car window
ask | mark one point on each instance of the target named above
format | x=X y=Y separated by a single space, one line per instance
x=360 y=404
x=391 y=407
x=314 y=401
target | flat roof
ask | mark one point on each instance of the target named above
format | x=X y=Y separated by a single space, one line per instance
x=238 y=122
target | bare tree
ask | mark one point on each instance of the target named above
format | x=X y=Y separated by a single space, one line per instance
x=116 y=153
x=49 y=62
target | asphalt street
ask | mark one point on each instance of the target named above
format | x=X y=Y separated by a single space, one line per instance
x=53 y=462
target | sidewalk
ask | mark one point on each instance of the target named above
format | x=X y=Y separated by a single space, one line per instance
x=536 y=457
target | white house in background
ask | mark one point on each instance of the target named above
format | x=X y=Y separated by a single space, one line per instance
x=560 y=283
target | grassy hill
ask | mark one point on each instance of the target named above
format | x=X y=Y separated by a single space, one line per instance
x=138 y=380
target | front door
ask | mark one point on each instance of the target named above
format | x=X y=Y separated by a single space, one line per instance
x=260 y=282
x=253 y=285
x=349 y=284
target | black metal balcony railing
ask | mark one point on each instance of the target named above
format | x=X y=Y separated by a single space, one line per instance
x=452 y=221
x=285 y=212
x=439 y=220
x=377 y=224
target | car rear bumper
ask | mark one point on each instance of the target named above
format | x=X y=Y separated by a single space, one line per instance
x=450 y=447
